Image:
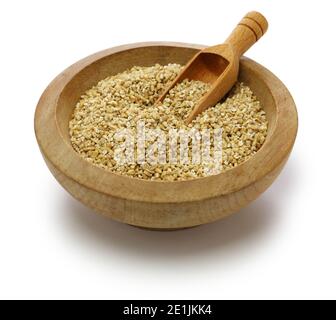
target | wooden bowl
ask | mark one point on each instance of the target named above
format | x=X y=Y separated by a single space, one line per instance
x=153 y=204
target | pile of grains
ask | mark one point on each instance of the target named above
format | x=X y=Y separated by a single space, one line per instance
x=121 y=101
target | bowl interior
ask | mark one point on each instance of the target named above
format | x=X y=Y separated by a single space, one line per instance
x=147 y=56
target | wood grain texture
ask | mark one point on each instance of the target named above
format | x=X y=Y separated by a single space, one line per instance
x=155 y=204
x=219 y=65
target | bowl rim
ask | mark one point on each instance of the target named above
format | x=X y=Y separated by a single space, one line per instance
x=64 y=158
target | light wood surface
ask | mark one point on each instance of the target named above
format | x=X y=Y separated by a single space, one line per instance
x=154 y=204
x=219 y=65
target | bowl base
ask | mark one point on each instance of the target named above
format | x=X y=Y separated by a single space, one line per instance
x=163 y=229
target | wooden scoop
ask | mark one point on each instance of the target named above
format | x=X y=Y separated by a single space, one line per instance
x=219 y=65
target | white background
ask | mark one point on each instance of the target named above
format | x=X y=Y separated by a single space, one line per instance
x=281 y=246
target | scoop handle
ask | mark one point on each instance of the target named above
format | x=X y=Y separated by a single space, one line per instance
x=248 y=31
